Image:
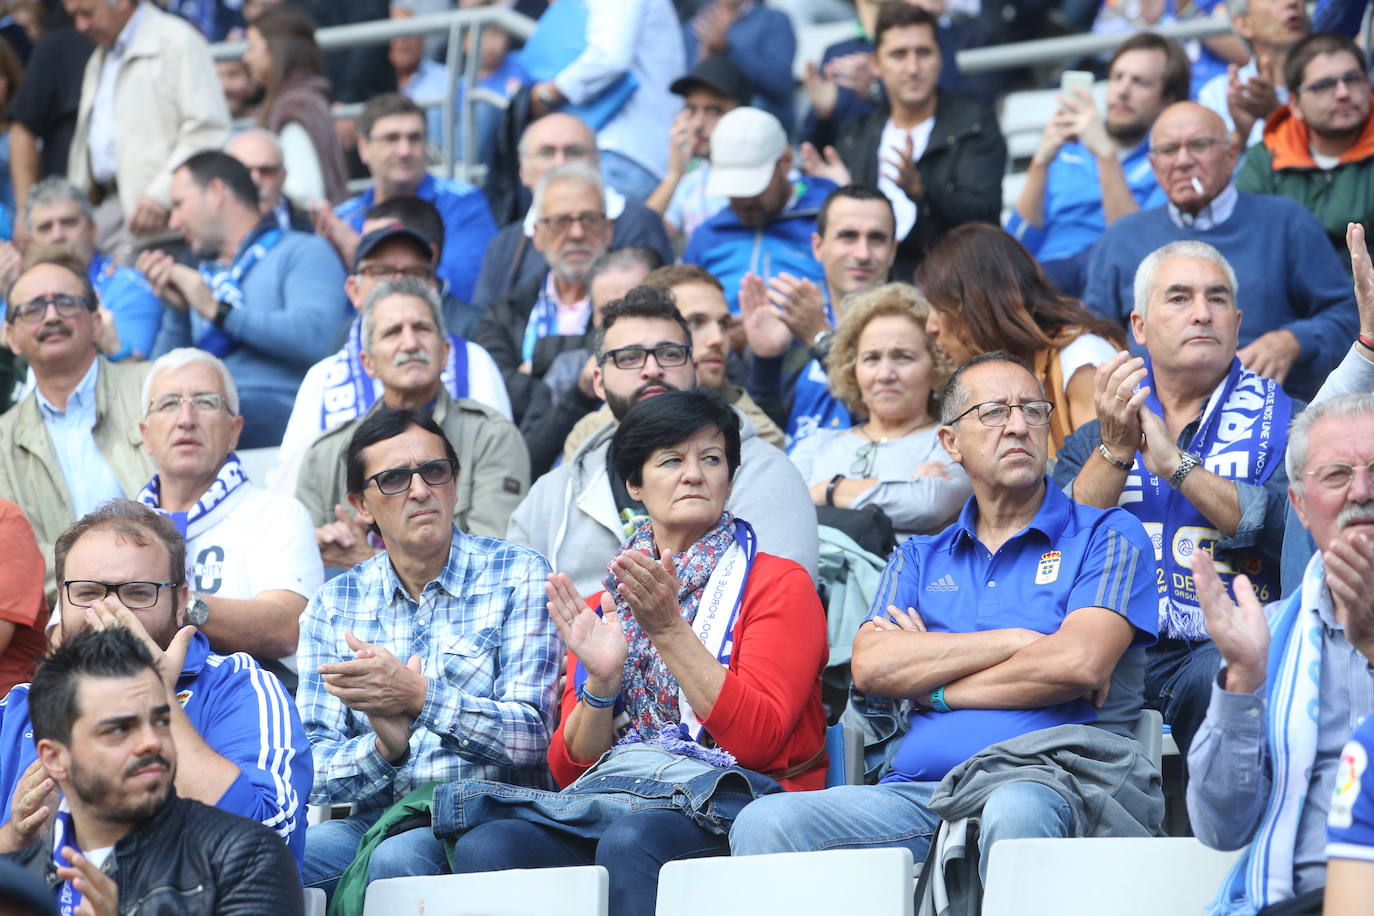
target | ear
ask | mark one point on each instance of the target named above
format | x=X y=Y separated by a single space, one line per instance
x=143 y=431
x=1138 y=328
x=1297 y=500
x=949 y=440
x=445 y=349
x=235 y=429
x=816 y=246
x=360 y=507
x=183 y=597
x=56 y=759
x=1293 y=108
x=351 y=290
x=598 y=382
x=366 y=359
x=634 y=491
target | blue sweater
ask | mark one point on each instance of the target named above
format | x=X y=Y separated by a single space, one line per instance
x=1290 y=277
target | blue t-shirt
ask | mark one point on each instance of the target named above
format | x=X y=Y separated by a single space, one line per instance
x=1350 y=822
x=1069 y=557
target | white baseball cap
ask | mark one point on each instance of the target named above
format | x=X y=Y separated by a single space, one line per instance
x=745 y=148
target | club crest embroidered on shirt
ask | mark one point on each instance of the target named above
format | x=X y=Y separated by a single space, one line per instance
x=1347 y=791
x=184 y=697
x=1047 y=570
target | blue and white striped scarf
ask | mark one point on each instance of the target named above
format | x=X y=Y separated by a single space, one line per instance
x=226 y=284
x=202 y=514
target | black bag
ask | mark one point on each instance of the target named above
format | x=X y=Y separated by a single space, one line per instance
x=868 y=527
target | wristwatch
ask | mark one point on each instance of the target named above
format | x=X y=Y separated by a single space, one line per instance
x=820 y=344
x=222 y=311
x=1186 y=462
x=197 y=611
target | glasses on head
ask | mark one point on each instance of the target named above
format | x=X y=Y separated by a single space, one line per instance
x=395 y=138
x=864 y=459
x=666 y=355
x=590 y=221
x=205 y=402
x=995 y=413
x=1338 y=476
x=388 y=272
x=66 y=305
x=1196 y=147
x=133 y=595
x=434 y=473
x=569 y=153
x=1352 y=79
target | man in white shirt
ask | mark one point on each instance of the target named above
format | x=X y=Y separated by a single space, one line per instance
x=251 y=561
x=1244 y=97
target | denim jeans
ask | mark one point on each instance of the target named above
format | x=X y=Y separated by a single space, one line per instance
x=1178 y=682
x=627 y=176
x=891 y=814
x=331 y=846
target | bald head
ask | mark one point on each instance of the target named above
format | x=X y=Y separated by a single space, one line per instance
x=1192 y=155
x=260 y=152
x=552 y=141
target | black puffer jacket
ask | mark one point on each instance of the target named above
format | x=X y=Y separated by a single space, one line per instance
x=193 y=860
x=962 y=169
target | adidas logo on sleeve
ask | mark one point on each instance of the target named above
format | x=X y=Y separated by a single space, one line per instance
x=942 y=584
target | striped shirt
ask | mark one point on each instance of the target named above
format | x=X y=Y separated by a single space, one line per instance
x=488 y=648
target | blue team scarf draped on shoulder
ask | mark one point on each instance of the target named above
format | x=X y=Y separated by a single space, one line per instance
x=226 y=284
x=203 y=514
x=349 y=392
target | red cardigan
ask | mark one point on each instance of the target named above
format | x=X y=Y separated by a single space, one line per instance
x=769 y=712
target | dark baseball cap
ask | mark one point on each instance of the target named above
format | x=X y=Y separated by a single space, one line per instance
x=383 y=234
x=719 y=75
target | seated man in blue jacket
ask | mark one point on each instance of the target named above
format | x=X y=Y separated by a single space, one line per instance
x=240 y=741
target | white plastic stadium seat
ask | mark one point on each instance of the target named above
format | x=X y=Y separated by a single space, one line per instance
x=870 y=881
x=579 y=891
x=259 y=462
x=1024 y=115
x=1147 y=876
x=315 y=902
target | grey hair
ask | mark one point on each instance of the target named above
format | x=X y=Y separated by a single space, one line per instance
x=1235 y=8
x=1145 y=273
x=1345 y=405
x=955 y=394
x=185 y=356
x=569 y=171
x=402 y=286
x=55 y=189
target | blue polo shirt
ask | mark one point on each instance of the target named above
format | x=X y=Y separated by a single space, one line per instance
x=1073 y=214
x=1069 y=557
x=1350 y=820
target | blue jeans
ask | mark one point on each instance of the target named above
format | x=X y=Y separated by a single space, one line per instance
x=627 y=176
x=1178 y=682
x=891 y=814
x=331 y=846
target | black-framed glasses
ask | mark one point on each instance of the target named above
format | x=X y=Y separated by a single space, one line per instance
x=995 y=413
x=434 y=473
x=1197 y=146
x=1351 y=79
x=388 y=272
x=590 y=221
x=666 y=355
x=133 y=595
x=1336 y=475
x=205 y=402
x=66 y=305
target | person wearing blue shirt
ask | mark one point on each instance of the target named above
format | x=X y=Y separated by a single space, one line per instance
x=241 y=744
x=391 y=143
x=757 y=38
x=1030 y=612
x=1089 y=170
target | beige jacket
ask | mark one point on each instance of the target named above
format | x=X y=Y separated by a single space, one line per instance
x=168 y=105
x=29 y=471
x=493 y=466
x=768 y=430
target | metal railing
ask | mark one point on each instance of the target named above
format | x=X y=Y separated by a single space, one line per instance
x=1068 y=47
x=457 y=25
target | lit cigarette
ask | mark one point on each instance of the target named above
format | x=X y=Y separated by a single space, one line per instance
x=1197 y=185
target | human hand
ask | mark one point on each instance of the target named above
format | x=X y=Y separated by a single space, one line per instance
x=764 y=329
x=710 y=27
x=828 y=166
x=1363 y=270
x=1058 y=131
x=375 y=682
x=1084 y=121
x=1158 y=450
x=1271 y=355
x=681 y=139
x=821 y=91
x=901 y=169
x=1350 y=576
x=10 y=262
x=650 y=588
x=343 y=542
x=32 y=805
x=598 y=641
x=110 y=612
x=148 y=216
x=1118 y=402
x=932 y=468
x=156 y=266
x=800 y=305
x=1239 y=629
x=107 y=338
x=99 y=893
x=337 y=232
x=852 y=72
x=898 y=619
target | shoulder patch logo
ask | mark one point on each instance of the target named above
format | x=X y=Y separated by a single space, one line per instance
x=1047 y=570
x=184 y=697
x=1347 y=788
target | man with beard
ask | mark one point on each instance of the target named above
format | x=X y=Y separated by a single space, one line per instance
x=241 y=743
x=1319 y=148
x=102 y=717
x=580 y=512
x=266 y=301
x=1088 y=172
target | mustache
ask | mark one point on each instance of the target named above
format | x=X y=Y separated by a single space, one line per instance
x=417 y=356
x=657 y=383
x=148 y=761
x=1355 y=512
x=51 y=329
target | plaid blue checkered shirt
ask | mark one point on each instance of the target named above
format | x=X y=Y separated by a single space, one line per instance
x=487 y=646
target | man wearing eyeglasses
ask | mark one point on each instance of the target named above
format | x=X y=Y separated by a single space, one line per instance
x=240 y=742
x=260 y=152
x=72 y=443
x=580 y=512
x=433 y=661
x=1267 y=768
x=1319 y=148
x=1020 y=624
x=251 y=562
x=1299 y=308
x=1192 y=444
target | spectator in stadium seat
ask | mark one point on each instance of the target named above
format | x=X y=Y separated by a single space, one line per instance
x=241 y=94
x=260 y=152
x=714 y=88
x=338 y=389
x=72 y=443
x=576 y=514
x=1191 y=444
x=1319 y=148
x=754 y=37
x=391 y=143
x=1298 y=304
x=938 y=157
x=266 y=301
x=241 y=743
x=1262 y=779
x=1090 y=170
x=748 y=685
x=512 y=260
x=1245 y=97
x=251 y=563
x=476 y=694
x=125 y=148
x=405 y=349
x=767 y=228
x=998 y=669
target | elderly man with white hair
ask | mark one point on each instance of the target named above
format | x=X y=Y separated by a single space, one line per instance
x=251 y=562
x=1191 y=443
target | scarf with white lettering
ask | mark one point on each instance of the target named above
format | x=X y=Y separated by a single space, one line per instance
x=226 y=285
x=349 y=392
x=202 y=515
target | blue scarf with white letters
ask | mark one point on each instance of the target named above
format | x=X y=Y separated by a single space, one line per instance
x=226 y=285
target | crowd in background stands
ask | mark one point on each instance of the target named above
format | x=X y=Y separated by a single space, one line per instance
x=548 y=520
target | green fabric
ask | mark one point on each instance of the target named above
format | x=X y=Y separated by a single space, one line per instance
x=1342 y=195
x=849 y=577
x=352 y=888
